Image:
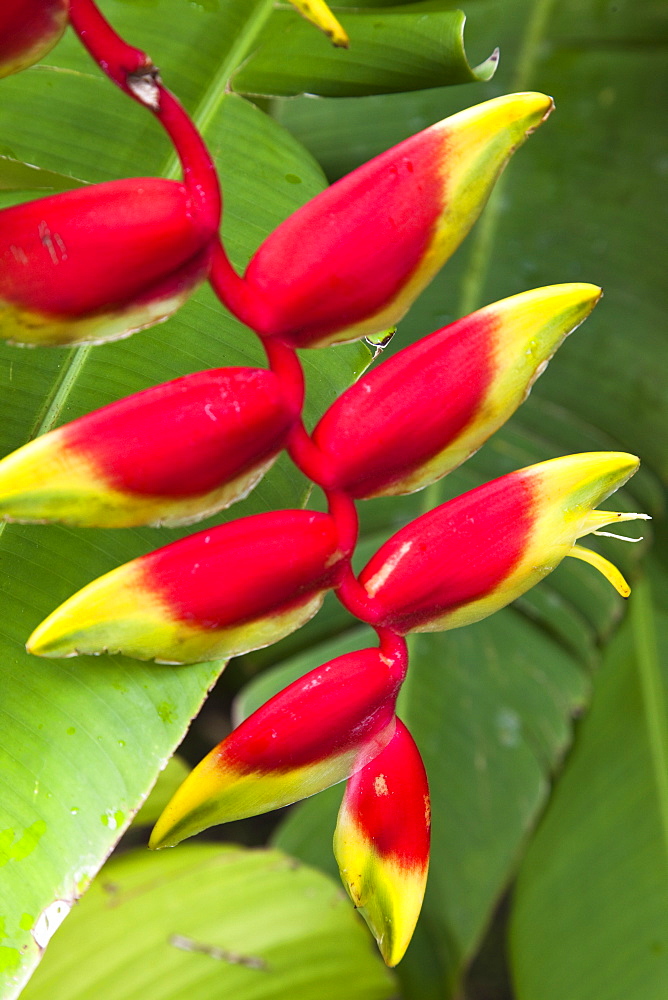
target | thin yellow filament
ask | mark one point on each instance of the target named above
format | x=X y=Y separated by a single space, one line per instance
x=596 y=519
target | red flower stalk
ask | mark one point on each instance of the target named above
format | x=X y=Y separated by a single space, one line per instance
x=424 y=411
x=473 y=555
x=218 y=593
x=316 y=732
x=382 y=842
x=100 y=262
x=130 y=68
x=133 y=71
x=350 y=262
x=28 y=30
x=169 y=455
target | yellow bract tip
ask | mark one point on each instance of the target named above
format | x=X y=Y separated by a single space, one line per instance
x=319 y=14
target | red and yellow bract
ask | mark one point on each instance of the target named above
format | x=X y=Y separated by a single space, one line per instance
x=99 y=262
x=471 y=556
x=381 y=842
x=425 y=410
x=349 y=263
x=317 y=731
x=215 y=594
x=171 y=454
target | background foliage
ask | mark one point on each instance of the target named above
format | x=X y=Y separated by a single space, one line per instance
x=491 y=706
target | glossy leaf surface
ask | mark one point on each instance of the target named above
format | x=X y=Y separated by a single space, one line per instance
x=393 y=49
x=600 y=853
x=211 y=920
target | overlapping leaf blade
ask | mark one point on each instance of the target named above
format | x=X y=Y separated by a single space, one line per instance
x=600 y=855
x=211 y=920
x=397 y=49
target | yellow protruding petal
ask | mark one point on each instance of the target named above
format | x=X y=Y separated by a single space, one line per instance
x=318 y=13
x=604 y=566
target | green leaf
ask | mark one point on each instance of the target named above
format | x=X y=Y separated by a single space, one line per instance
x=600 y=856
x=17 y=176
x=208 y=921
x=397 y=49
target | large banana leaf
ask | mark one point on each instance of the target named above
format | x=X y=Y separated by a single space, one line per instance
x=211 y=921
x=600 y=856
x=81 y=742
x=491 y=706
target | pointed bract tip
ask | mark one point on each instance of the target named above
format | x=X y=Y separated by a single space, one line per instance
x=187 y=814
x=526 y=111
x=381 y=843
x=588 y=478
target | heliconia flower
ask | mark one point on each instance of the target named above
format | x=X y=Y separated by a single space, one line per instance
x=473 y=555
x=382 y=842
x=318 y=13
x=421 y=413
x=99 y=262
x=316 y=732
x=215 y=594
x=169 y=455
x=349 y=263
x=28 y=30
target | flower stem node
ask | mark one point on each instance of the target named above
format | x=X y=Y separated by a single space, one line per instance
x=423 y=412
x=317 y=731
x=215 y=594
x=350 y=263
x=475 y=554
x=381 y=842
x=99 y=262
x=172 y=454
x=29 y=29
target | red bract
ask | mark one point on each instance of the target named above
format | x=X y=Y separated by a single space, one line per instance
x=317 y=731
x=28 y=30
x=215 y=594
x=421 y=413
x=382 y=842
x=473 y=555
x=168 y=455
x=100 y=262
x=350 y=262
